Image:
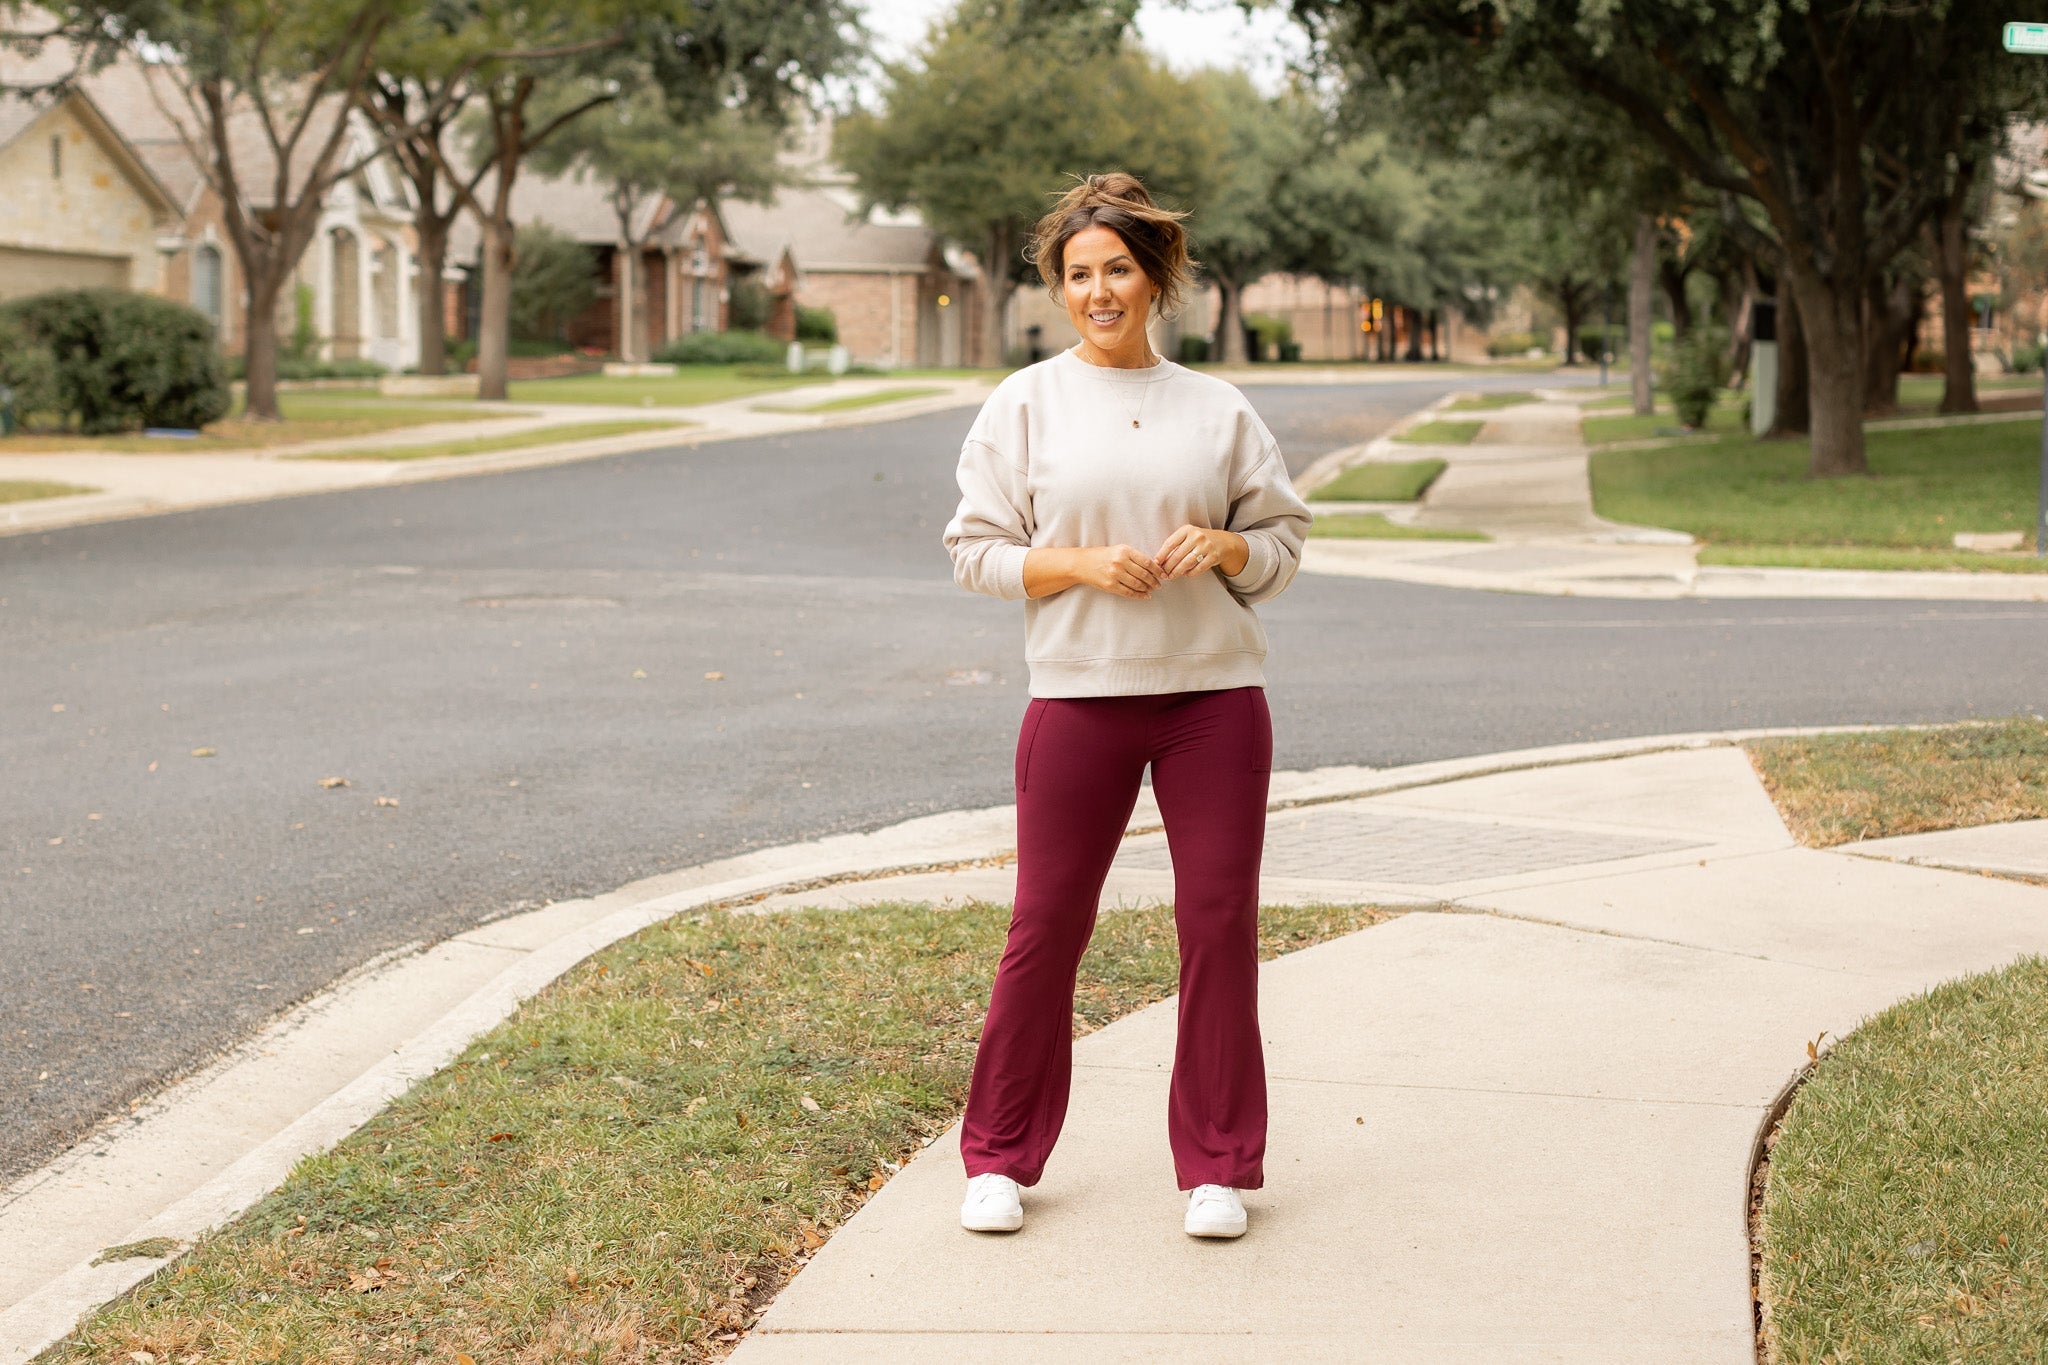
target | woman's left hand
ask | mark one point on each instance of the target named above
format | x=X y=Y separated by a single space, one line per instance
x=1195 y=549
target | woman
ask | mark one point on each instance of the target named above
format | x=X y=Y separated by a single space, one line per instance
x=1140 y=509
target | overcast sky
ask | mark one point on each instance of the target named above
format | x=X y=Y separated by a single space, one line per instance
x=1190 y=34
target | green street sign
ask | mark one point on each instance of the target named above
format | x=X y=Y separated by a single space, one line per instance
x=2027 y=38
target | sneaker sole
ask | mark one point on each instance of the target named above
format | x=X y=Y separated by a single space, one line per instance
x=1222 y=1231
x=1007 y=1224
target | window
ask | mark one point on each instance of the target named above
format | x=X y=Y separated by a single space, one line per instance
x=56 y=156
x=206 y=282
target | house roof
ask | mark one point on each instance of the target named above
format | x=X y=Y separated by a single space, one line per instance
x=824 y=228
x=19 y=113
x=575 y=204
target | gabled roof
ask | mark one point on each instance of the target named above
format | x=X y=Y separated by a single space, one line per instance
x=823 y=226
x=575 y=204
x=18 y=114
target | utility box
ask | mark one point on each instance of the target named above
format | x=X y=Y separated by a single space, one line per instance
x=1763 y=367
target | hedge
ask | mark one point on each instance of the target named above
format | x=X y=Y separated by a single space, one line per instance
x=723 y=348
x=118 y=360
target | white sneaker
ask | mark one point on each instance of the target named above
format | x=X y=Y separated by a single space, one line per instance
x=1215 y=1211
x=992 y=1205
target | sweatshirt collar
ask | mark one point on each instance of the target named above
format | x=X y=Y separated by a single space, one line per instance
x=1151 y=374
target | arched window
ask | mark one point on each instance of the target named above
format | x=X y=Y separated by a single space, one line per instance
x=206 y=282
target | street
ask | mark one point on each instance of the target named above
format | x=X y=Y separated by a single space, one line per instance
x=254 y=747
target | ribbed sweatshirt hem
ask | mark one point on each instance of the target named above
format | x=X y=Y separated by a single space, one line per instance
x=1138 y=677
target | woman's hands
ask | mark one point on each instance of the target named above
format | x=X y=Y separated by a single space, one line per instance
x=1195 y=549
x=1127 y=572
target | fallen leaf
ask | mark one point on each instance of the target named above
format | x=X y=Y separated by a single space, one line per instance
x=639 y=672
x=714 y=677
x=571 y=1277
x=204 y=753
x=152 y=765
x=501 y=1137
x=58 y=840
x=809 y=1103
x=812 y=1241
x=874 y=1182
x=332 y=782
x=461 y=1359
x=137 y=1357
x=58 y=707
x=703 y=967
x=385 y=801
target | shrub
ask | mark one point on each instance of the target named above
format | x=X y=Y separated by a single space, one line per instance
x=1695 y=373
x=1194 y=350
x=554 y=277
x=28 y=372
x=1929 y=360
x=748 y=305
x=2025 y=358
x=816 y=324
x=1272 y=332
x=1512 y=344
x=305 y=337
x=124 y=360
x=291 y=367
x=1592 y=335
x=723 y=348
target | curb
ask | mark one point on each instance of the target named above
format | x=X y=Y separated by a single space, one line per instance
x=51 y=514
x=50 y=1312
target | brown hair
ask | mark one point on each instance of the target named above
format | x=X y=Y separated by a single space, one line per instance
x=1120 y=202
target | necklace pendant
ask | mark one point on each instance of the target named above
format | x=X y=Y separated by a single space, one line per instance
x=1134 y=421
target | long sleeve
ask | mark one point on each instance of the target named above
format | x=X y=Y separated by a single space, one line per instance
x=991 y=532
x=1274 y=521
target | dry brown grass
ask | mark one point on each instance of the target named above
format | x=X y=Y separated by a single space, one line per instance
x=1834 y=789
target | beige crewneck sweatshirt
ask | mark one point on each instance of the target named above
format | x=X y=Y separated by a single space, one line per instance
x=1054 y=460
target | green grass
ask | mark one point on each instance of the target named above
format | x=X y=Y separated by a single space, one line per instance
x=1725 y=417
x=486 y=445
x=1905 y=1212
x=691 y=384
x=1855 y=557
x=1487 y=402
x=854 y=400
x=1441 y=433
x=1380 y=481
x=309 y=415
x=637 y=1160
x=1373 y=526
x=1833 y=789
x=26 y=490
x=1925 y=486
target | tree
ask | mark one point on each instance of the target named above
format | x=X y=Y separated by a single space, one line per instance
x=641 y=153
x=260 y=95
x=1241 y=228
x=989 y=119
x=552 y=282
x=1840 y=121
x=542 y=64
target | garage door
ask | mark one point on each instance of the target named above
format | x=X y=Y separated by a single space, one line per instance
x=35 y=272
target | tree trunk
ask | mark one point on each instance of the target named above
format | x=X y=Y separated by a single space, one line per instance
x=1832 y=319
x=1642 y=283
x=1738 y=302
x=432 y=304
x=628 y=258
x=494 y=325
x=1434 y=353
x=1574 y=314
x=1673 y=280
x=1889 y=338
x=996 y=271
x=259 y=353
x=1795 y=388
x=1414 y=319
x=1952 y=259
x=1230 y=322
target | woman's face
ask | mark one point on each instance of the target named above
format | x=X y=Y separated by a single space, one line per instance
x=1108 y=297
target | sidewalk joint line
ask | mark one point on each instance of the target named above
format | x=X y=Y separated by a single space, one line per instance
x=1452 y=1089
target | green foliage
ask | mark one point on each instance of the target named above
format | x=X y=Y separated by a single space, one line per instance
x=28 y=371
x=289 y=367
x=1505 y=344
x=723 y=348
x=1273 y=332
x=2025 y=358
x=987 y=123
x=122 y=360
x=816 y=324
x=305 y=337
x=1194 y=350
x=748 y=305
x=554 y=278
x=1247 y=224
x=1696 y=374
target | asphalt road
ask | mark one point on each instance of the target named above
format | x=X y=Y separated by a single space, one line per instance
x=523 y=664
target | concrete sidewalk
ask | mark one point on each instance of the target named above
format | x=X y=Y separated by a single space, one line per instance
x=1514 y=1124
x=1523 y=483
x=146 y=484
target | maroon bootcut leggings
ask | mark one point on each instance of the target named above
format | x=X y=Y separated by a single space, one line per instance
x=1079 y=761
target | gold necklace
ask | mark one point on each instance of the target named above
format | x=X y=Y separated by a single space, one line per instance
x=1144 y=391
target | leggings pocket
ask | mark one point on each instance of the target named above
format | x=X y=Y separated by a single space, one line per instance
x=1034 y=716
